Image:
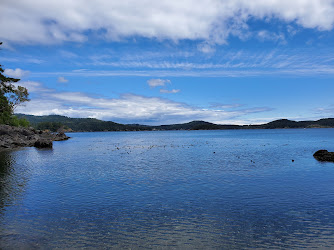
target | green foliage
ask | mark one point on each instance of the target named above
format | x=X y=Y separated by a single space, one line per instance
x=23 y=122
x=52 y=126
x=5 y=110
x=52 y=122
x=11 y=96
x=18 y=122
x=12 y=120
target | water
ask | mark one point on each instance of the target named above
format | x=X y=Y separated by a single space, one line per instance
x=175 y=189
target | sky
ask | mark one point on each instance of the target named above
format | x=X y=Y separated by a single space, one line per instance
x=165 y=62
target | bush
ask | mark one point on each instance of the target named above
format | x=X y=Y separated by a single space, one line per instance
x=24 y=122
x=17 y=122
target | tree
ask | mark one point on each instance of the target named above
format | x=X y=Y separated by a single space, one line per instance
x=11 y=95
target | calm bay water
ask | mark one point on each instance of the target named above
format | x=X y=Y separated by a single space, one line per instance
x=176 y=189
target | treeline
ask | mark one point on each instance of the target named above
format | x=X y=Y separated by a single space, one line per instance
x=284 y=123
x=52 y=126
x=196 y=125
x=56 y=122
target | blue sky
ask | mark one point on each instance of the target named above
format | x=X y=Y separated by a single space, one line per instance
x=163 y=62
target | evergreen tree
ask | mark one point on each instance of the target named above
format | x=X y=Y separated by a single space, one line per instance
x=11 y=96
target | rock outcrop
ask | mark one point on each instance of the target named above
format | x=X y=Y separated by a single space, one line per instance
x=14 y=137
x=60 y=136
x=43 y=143
x=324 y=155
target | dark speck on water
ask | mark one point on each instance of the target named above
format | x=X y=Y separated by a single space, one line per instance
x=168 y=190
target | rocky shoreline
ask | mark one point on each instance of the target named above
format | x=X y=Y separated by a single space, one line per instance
x=16 y=137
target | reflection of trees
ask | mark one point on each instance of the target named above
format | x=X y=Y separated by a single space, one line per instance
x=12 y=182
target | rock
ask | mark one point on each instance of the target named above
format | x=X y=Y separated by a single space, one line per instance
x=60 y=136
x=43 y=143
x=3 y=130
x=14 y=137
x=324 y=155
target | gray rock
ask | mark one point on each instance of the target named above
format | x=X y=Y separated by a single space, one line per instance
x=14 y=137
x=61 y=136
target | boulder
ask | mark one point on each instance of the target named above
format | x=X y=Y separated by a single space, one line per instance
x=43 y=143
x=60 y=136
x=324 y=155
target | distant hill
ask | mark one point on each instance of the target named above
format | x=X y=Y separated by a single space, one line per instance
x=284 y=123
x=196 y=125
x=54 y=122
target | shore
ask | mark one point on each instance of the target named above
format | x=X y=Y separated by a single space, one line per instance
x=16 y=137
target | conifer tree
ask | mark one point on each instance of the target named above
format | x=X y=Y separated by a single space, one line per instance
x=11 y=95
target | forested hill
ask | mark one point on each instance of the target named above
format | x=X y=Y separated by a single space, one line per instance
x=284 y=123
x=54 y=122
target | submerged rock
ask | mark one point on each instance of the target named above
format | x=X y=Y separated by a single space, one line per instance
x=324 y=155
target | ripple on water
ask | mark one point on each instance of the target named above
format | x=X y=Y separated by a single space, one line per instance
x=176 y=189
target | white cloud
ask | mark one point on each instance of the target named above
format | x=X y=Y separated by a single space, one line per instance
x=283 y=68
x=166 y=91
x=127 y=108
x=54 y=21
x=265 y=35
x=325 y=111
x=22 y=59
x=206 y=48
x=162 y=83
x=62 y=79
x=16 y=73
x=157 y=82
x=292 y=30
x=225 y=106
x=33 y=87
x=228 y=62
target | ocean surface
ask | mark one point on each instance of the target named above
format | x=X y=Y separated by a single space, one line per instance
x=174 y=189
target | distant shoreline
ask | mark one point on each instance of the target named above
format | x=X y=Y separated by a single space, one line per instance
x=54 y=122
x=190 y=130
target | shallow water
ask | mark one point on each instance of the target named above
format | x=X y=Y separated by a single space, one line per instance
x=175 y=189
